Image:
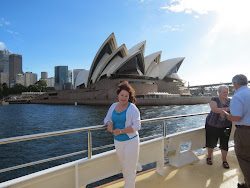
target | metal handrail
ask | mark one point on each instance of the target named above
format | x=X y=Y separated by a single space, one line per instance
x=85 y=129
x=66 y=155
x=49 y=134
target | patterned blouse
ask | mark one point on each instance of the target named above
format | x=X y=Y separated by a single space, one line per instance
x=214 y=119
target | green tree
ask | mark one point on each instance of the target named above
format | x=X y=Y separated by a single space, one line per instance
x=41 y=85
x=5 y=89
x=18 y=89
x=33 y=88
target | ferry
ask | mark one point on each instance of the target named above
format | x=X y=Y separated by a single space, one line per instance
x=186 y=166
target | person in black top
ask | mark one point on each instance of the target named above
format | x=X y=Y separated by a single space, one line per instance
x=218 y=127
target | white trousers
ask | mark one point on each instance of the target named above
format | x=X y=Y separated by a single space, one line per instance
x=128 y=154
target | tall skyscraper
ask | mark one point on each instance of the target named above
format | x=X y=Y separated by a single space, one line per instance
x=4 y=61
x=61 y=77
x=61 y=74
x=44 y=75
x=15 y=67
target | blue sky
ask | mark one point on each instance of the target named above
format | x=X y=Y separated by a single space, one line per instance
x=212 y=35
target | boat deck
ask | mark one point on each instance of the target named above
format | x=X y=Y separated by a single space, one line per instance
x=195 y=175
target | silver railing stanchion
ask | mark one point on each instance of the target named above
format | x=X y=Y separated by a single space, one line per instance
x=89 y=145
x=164 y=129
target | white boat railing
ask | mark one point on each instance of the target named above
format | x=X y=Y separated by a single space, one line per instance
x=170 y=149
x=77 y=130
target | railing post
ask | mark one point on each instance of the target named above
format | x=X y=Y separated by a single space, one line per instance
x=89 y=145
x=164 y=128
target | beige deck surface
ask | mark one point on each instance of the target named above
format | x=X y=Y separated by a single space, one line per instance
x=195 y=175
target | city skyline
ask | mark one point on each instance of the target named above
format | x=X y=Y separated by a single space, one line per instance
x=212 y=36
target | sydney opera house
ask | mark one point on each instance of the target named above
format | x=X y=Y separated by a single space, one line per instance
x=149 y=75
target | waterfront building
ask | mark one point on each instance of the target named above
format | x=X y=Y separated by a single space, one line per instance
x=150 y=76
x=15 y=67
x=4 y=78
x=20 y=79
x=4 y=61
x=113 y=64
x=61 y=77
x=30 y=78
x=50 y=82
x=26 y=79
x=44 y=75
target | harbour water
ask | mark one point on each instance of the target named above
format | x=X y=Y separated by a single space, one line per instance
x=25 y=119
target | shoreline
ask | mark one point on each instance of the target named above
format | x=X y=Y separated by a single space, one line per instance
x=191 y=100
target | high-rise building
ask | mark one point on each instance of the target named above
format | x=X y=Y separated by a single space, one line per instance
x=50 y=82
x=15 y=67
x=20 y=79
x=26 y=79
x=4 y=78
x=61 y=74
x=4 y=61
x=30 y=78
x=61 y=77
x=44 y=75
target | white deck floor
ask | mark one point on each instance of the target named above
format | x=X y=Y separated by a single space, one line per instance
x=195 y=175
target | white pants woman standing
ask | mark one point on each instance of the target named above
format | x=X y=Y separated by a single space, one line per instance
x=128 y=153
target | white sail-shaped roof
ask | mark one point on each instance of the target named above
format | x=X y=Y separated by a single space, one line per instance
x=150 y=62
x=82 y=78
x=114 y=61
x=139 y=46
x=107 y=47
x=169 y=66
x=174 y=76
x=115 y=67
x=111 y=60
x=121 y=52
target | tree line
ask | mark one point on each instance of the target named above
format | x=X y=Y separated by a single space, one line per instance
x=39 y=86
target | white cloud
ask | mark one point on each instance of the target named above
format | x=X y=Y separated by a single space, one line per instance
x=224 y=46
x=2 y=45
x=189 y=6
x=173 y=28
x=3 y=21
x=188 y=12
x=12 y=32
x=231 y=15
x=167 y=26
